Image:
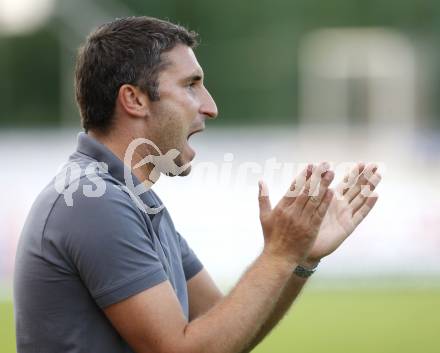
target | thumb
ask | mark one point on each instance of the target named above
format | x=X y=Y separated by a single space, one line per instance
x=263 y=198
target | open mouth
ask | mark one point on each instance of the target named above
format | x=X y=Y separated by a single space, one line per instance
x=194 y=132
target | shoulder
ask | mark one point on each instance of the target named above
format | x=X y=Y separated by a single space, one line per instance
x=87 y=185
x=94 y=203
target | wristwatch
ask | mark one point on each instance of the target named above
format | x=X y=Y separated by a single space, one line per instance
x=305 y=272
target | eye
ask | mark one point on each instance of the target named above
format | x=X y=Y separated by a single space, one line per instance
x=191 y=87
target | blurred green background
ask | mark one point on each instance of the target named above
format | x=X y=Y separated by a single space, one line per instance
x=253 y=56
x=249 y=51
x=379 y=321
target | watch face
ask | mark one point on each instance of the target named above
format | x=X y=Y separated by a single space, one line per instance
x=303 y=272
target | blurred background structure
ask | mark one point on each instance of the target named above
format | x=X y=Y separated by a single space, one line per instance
x=295 y=81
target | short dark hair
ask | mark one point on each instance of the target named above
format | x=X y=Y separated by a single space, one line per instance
x=124 y=51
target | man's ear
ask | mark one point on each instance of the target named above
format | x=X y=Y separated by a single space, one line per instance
x=133 y=101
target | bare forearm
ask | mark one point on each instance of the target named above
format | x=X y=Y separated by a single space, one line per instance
x=287 y=297
x=290 y=231
x=234 y=323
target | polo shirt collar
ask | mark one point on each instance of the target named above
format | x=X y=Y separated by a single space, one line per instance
x=93 y=148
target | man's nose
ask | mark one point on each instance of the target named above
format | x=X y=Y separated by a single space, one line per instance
x=208 y=107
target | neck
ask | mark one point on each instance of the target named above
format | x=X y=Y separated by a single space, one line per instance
x=119 y=145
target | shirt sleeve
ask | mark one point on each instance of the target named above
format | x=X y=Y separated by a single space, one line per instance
x=111 y=248
x=191 y=264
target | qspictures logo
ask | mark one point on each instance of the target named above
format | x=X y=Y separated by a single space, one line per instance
x=68 y=179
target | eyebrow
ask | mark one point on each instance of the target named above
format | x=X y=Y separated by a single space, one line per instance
x=195 y=76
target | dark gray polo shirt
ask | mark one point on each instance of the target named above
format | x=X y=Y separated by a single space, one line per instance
x=80 y=254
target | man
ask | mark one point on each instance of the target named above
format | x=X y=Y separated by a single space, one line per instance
x=97 y=273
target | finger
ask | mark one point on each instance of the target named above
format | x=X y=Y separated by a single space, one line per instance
x=302 y=198
x=366 y=192
x=349 y=180
x=296 y=186
x=263 y=198
x=313 y=202
x=316 y=179
x=320 y=212
x=363 y=179
x=364 y=210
